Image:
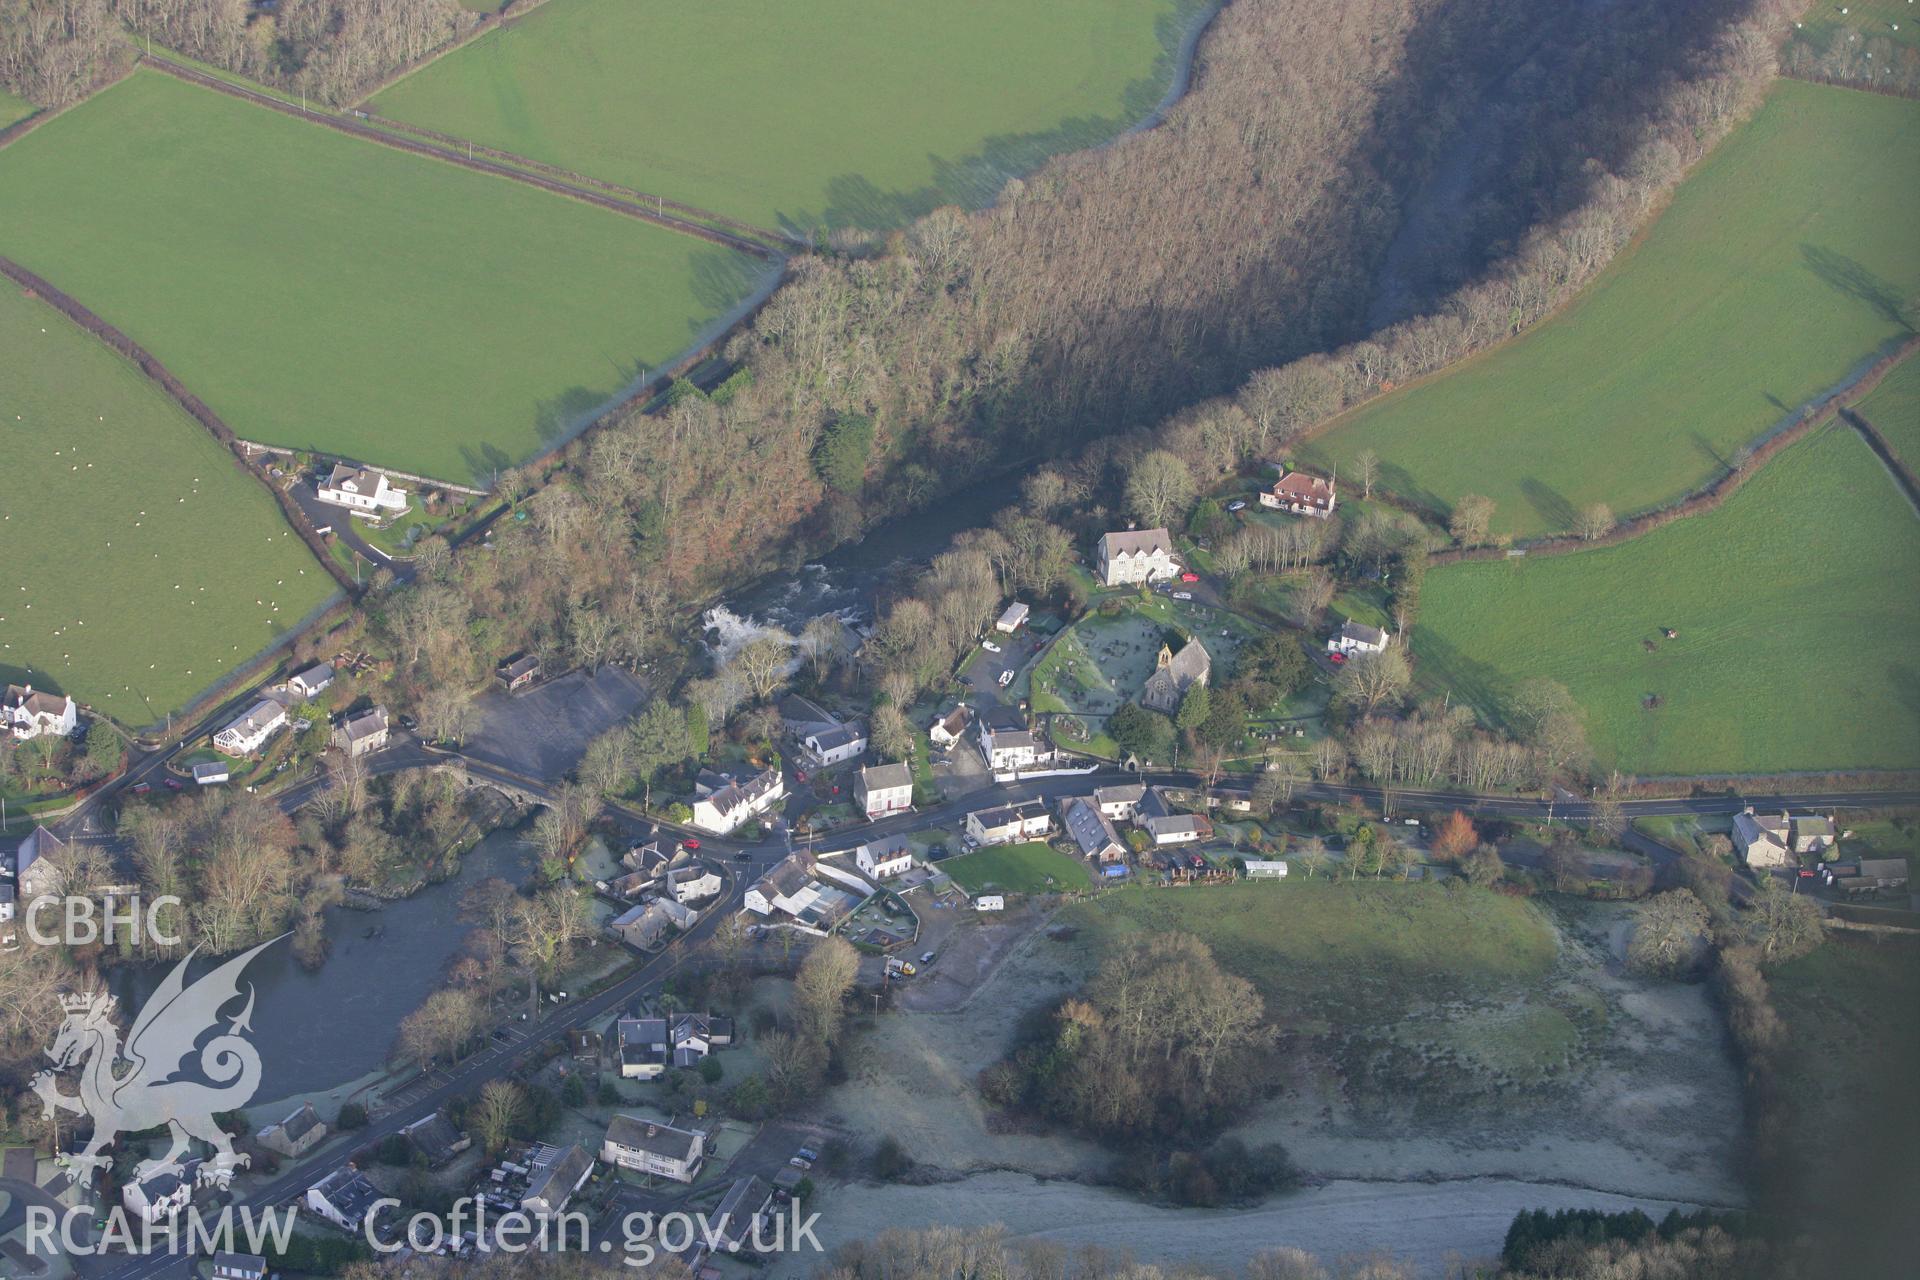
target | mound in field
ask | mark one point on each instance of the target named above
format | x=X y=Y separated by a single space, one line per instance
x=1793 y=608
x=320 y=291
x=142 y=565
x=1784 y=261
x=834 y=112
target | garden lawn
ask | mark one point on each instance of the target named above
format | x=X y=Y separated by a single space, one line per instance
x=1894 y=407
x=1355 y=950
x=320 y=291
x=135 y=549
x=1755 y=291
x=833 y=112
x=1016 y=868
x=1795 y=612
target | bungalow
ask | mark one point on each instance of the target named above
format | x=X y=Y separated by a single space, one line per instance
x=1013 y=619
x=1091 y=831
x=361 y=490
x=517 y=673
x=723 y=804
x=644 y=1047
x=1166 y=827
x=1300 y=494
x=239 y=1266
x=162 y=1194
x=739 y=1211
x=555 y=1174
x=1009 y=823
x=692 y=883
x=951 y=727
x=647 y=924
x=1009 y=750
x=362 y=734
x=1136 y=555
x=28 y=713
x=1762 y=839
x=883 y=859
x=250 y=732
x=344 y=1198
x=658 y=1149
x=1357 y=637
x=209 y=772
x=299 y=1133
x=1119 y=803
x=1174 y=674
x=312 y=682
x=882 y=789
x=833 y=744
x=435 y=1139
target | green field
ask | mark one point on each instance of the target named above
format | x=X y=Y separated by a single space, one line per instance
x=135 y=549
x=320 y=291
x=1016 y=868
x=13 y=109
x=1795 y=612
x=1760 y=286
x=1894 y=407
x=1370 y=949
x=1897 y=21
x=834 y=112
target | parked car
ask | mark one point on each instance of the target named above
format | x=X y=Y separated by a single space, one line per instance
x=1238 y=504
x=173 y=784
x=1183 y=595
x=799 y=1163
x=1189 y=576
x=1337 y=659
x=141 y=788
x=1006 y=678
x=800 y=775
x=927 y=958
x=808 y=1153
x=990 y=646
x=691 y=843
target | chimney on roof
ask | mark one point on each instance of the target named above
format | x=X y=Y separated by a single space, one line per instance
x=653 y=1130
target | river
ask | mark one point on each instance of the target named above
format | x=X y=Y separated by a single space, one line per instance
x=319 y=1030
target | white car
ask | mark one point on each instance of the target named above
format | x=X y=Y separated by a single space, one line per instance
x=990 y=646
x=1237 y=505
x=1183 y=595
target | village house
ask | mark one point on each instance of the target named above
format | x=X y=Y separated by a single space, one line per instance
x=1136 y=555
x=1300 y=493
x=1810 y=834
x=361 y=490
x=554 y=1175
x=1174 y=674
x=1157 y=818
x=951 y=727
x=247 y=734
x=739 y=1211
x=1357 y=637
x=836 y=743
x=312 y=682
x=1009 y=749
x=296 y=1135
x=1092 y=831
x=28 y=712
x=239 y=1266
x=1120 y=802
x=722 y=804
x=343 y=1198
x=643 y=1046
x=1762 y=839
x=794 y=887
x=884 y=859
x=657 y=1149
x=362 y=734
x=693 y=882
x=1013 y=619
x=645 y=926
x=1009 y=823
x=208 y=773
x=36 y=866
x=882 y=789
x=161 y=1194
x=435 y=1139
x=517 y=673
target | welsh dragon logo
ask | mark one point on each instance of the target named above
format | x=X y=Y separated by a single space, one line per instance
x=153 y=1091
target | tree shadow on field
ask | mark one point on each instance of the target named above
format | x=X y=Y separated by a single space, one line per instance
x=1395 y=479
x=1480 y=685
x=1854 y=280
x=1547 y=501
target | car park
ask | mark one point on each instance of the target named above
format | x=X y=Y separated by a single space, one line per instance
x=990 y=646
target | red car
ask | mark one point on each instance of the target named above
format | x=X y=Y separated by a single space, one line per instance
x=800 y=775
x=1336 y=658
x=1189 y=577
x=173 y=784
x=691 y=844
x=141 y=788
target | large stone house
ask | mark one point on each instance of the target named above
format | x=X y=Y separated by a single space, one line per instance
x=833 y=744
x=1300 y=494
x=647 y=925
x=363 y=734
x=27 y=712
x=296 y=1135
x=882 y=789
x=1174 y=674
x=1136 y=555
x=658 y=1149
x=884 y=859
x=724 y=803
x=361 y=490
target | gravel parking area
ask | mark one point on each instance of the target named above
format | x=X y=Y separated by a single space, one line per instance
x=543 y=732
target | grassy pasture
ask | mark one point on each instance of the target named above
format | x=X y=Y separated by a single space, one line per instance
x=113 y=496
x=320 y=291
x=1795 y=615
x=1354 y=951
x=1896 y=21
x=1781 y=263
x=13 y=109
x=835 y=112
x=1894 y=407
x=1016 y=868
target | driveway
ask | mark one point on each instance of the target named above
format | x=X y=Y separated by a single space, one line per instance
x=543 y=732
